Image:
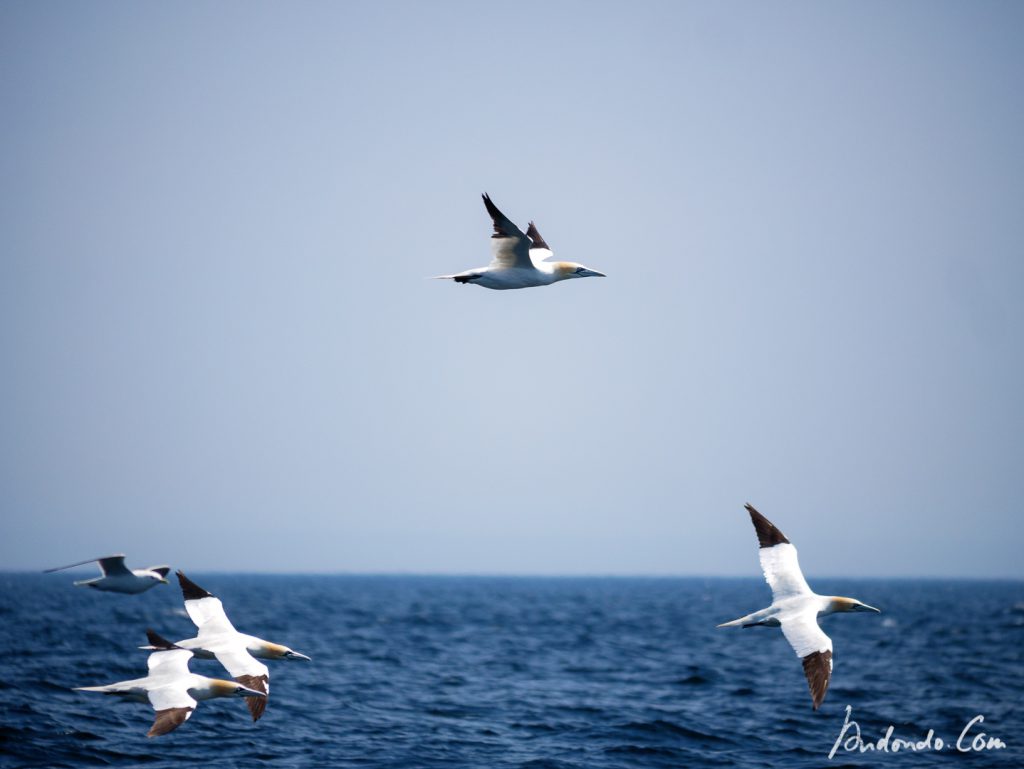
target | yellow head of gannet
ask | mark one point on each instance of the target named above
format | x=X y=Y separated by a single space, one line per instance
x=272 y=651
x=840 y=603
x=567 y=270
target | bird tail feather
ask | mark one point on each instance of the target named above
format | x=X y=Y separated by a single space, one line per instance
x=108 y=689
x=760 y=617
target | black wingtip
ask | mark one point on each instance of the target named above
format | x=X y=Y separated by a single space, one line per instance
x=497 y=218
x=189 y=589
x=533 y=235
x=256 y=705
x=818 y=669
x=158 y=641
x=768 y=534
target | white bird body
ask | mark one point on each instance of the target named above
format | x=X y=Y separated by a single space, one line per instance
x=171 y=688
x=118 y=578
x=519 y=260
x=540 y=274
x=786 y=610
x=163 y=680
x=257 y=647
x=795 y=607
x=237 y=652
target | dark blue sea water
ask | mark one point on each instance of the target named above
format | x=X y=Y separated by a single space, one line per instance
x=516 y=672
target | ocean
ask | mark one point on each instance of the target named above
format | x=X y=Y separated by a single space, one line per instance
x=539 y=673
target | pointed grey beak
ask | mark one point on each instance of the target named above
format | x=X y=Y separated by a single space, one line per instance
x=865 y=607
x=247 y=692
x=290 y=655
x=588 y=273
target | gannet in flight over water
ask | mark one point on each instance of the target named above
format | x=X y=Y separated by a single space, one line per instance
x=795 y=607
x=235 y=651
x=171 y=688
x=117 y=578
x=518 y=260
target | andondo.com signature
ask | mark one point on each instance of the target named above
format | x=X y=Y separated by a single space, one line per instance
x=971 y=739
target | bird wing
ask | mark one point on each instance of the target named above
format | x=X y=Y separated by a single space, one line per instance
x=247 y=670
x=168 y=720
x=237 y=660
x=113 y=566
x=261 y=684
x=173 y=706
x=813 y=647
x=161 y=570
x=110 y=564
x=208 y=615
x=172 y=695
x=169 y=662
x=539 y=250
x=782 y=571
x=204 y=609
x=509 y=246
x=778 y=559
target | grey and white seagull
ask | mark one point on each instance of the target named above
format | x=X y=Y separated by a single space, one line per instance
x=795 y=607
x=518 y=259
x=118 y=578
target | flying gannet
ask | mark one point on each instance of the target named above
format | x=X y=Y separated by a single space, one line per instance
x=237 y=652
x=117 y=578
x=171 y=688
x=518 y=260
x=795 y=607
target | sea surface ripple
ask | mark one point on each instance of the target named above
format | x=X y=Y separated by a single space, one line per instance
x=539 y=673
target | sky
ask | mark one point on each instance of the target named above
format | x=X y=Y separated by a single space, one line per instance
x=220 y=349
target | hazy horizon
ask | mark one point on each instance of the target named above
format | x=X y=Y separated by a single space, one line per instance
x=756 y=575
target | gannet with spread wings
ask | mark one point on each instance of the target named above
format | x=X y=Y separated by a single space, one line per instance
x=795 y=607
x=171 y=688
x=519 y=260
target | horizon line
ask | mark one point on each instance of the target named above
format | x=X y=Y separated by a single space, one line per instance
x=557 y=575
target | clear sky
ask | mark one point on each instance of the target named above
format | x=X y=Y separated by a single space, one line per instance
x=219 y=349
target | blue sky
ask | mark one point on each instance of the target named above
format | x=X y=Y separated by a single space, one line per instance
x=220 y=350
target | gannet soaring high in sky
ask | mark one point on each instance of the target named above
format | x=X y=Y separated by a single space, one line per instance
x=795 y=607
x=235 y=651
x=519 y=260
x=171 y=688
x=117 y=578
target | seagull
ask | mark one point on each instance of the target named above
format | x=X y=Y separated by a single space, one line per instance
x=117 y=578
x=795 y=607
x=171 y=688
x=237 y=652
x=518 y=260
